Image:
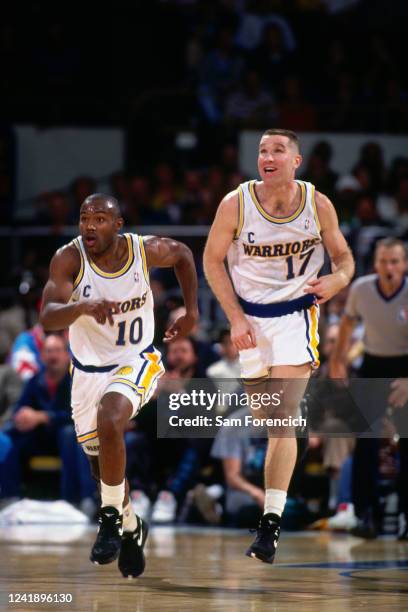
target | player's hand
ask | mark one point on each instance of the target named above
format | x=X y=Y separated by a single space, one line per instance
x=242 y=333
x=101 y=310
x=399 y=394
x=325 y=287
x=337 y=368
x=181 y=327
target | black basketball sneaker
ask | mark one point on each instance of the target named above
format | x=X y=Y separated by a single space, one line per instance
x=266 y=541
x=131 y=559
x=108 y=541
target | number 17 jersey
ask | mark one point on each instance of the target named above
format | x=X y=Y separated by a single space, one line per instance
x=133 y=329
x=272 y=258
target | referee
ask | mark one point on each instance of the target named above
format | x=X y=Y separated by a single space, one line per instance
x=380 y=301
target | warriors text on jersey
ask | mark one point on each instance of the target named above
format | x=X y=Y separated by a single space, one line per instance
x=272 y=258
x=133 y=329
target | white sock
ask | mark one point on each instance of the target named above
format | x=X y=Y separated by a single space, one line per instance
x=275 y=500
x=129 y=518
x=113 y=496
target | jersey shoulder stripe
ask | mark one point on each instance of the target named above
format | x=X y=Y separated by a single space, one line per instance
x=241 y=213
x=316 y=216
x=80 y=274
x=143 y=259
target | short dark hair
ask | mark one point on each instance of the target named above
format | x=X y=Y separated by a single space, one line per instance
x=293 y=137
x=106 y=199
x=390 y=242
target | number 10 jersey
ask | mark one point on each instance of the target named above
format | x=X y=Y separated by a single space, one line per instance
x=272 y=258
x=98 y=345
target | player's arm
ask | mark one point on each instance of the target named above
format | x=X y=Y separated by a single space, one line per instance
x=338 y=359
x=168 y=253
x=56 y=313
x=339 y=252
x=219 y=240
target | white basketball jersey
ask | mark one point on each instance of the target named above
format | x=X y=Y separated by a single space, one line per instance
x=272 y=259
x=133 y=329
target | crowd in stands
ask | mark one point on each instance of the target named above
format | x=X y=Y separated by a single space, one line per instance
x=198 y=479
x=227 y=66
x=186 y=480
x=245 y=62
x=371 y=199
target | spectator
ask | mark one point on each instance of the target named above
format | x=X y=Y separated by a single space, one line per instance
x=81 y=188
x=58 y=213
x=199 y=344
x=192 y=199
x=343 y=109
x=367 y=229
x=228 y=365
x=335 y=450
x=229 y=161
x=138 y=205
x=220 y=72
x=250 y=106
x=41 y=423
x=166 y=198
x=256 y=20
x=372 y=159
x=26 y=352
x=318 y=170
x=272 y=59
x=242 y=458
x=182 y=368
x=23 y=314
x=294 y=111
x=401 y=199
x=10 y=389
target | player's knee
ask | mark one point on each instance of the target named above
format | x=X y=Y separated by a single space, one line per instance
x=111 y=421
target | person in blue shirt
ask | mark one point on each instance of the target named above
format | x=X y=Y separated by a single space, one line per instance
x=41 y=424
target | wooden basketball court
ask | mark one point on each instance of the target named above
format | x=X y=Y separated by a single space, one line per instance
x=204 y=570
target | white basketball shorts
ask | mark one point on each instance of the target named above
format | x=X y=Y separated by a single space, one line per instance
x=136 y=380
x=291 y=339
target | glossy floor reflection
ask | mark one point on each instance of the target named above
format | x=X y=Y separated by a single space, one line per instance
x=196 y=569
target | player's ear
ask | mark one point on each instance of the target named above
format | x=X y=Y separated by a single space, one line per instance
x=119 y=223
x=298 y=160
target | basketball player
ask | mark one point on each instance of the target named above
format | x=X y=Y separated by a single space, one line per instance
x=99 y=288
x=274 y=232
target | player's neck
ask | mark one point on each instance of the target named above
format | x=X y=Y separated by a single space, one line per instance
x=281 y=196
x=111 y=256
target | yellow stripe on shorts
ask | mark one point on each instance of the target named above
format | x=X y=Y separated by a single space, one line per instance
x=88 y=436
x=314 y=338
x=153 y=369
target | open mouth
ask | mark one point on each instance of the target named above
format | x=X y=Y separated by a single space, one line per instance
x=269 y=169
x=90 y=241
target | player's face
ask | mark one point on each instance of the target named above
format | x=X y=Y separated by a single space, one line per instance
x=391 y=264
x=278 y=159
x=98 y=227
